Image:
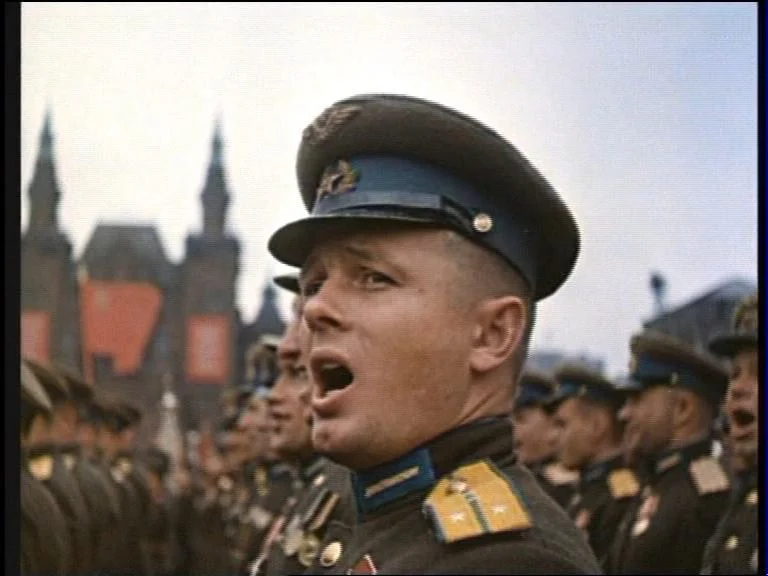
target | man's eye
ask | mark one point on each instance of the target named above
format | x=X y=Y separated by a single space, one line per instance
x=371 y=277
x=310 y=288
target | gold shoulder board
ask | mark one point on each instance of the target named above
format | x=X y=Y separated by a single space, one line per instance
x=476 y=499
x=41 y=467
x=708 y=475
x=623 y=484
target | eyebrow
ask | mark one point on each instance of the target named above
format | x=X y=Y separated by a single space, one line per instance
x=359 y=253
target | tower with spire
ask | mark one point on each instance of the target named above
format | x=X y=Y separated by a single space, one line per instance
x=49 y=302
x=44 y=193
x=215 y=197
x=208 y=297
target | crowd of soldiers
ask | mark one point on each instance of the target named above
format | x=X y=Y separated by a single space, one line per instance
x=522 y=472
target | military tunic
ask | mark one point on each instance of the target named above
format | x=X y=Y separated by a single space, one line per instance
x=325 y=498
x=603 y=494
x=45 y=539
x=668 y=524
x=132 y=557
x=556 y=481
x=733 y=548
x=269 y=488
x=459 y=504
x=103 y=506
x=65 y=490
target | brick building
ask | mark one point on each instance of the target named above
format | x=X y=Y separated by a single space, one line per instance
x=125 y=316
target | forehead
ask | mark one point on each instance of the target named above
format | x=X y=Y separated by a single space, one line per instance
x=393 y=242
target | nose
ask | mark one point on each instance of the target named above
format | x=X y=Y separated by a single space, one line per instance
x=740 y=388
x=625 y=413
x=321 y=309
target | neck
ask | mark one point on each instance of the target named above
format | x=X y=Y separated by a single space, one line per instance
x=607 y=451
x=683 y=437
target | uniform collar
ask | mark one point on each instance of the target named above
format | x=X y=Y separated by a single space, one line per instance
x=681 y=455
x=418 y=470
x=599 y=470
x=538 y=467
x=311 y=468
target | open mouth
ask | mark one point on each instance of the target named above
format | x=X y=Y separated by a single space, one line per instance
x=333 y=377
x=330 y=374
x=741 y=418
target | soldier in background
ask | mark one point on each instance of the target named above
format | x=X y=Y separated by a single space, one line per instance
x=325 y=493
x=271 y=481
x=48 y=465
x=160 y=543
x=115 y=437
x=586 y=410
x=45 y=540
x=733 y=548
x=99 y=495
x=673 y=398
x=536 y=436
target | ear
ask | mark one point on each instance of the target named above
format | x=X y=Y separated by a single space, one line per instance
x=683 y=407
x=498 y=332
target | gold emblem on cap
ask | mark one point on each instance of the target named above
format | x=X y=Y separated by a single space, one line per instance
x=482 y=222
x=752 y=498
x=731 y=543
x=674 y=380
x=338 y=178
x=330 y=555
x=328 y=122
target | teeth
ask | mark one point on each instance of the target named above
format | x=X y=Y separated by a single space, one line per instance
x=330 y=365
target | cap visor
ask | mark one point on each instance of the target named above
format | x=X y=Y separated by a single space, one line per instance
x=293 y=243
x=732 y=344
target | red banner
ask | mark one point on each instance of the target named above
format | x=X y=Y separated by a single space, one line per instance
x=36 y=335
x=118 y=321
x=208 y=347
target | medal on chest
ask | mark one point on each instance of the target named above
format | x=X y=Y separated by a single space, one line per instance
x=293 y=536
x=645 y=513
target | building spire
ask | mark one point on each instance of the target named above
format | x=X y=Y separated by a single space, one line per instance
x=43 y=190
x=216 y=145
x=46 y=137
x=215 y=196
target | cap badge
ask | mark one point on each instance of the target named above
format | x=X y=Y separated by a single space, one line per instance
x=482 y=223
x=328 y=122
x=337 y=179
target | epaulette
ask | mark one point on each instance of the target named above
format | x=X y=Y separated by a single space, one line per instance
x=558 y=475
x=708 y=475
x=623 y=484
x=476 y=499
x=41 y=467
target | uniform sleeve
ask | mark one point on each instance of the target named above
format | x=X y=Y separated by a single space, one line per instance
x=506 y=558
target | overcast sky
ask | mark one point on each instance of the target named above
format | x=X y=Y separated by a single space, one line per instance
x=642 y=116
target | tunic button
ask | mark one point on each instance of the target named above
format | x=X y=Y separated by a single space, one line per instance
x=731 y=543
x=330 y=555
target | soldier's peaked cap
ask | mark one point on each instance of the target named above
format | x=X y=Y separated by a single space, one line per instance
x=288 y=282
x=379 y=158
x=534 y=389
x=32 y=392
x=577 y=380
x=55 y=386
x=743 y=334
x=660 y=359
